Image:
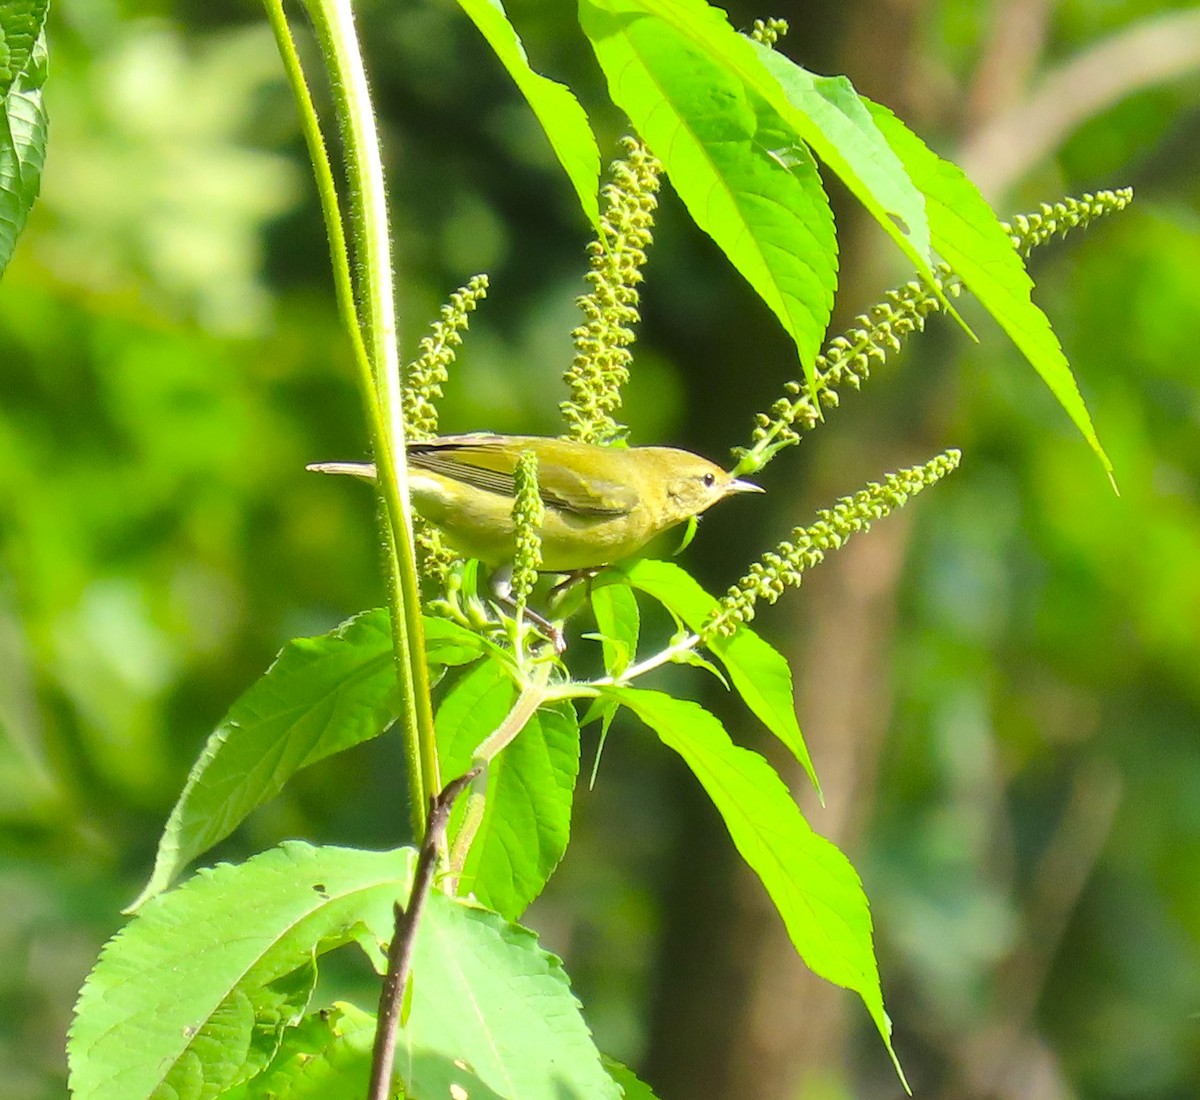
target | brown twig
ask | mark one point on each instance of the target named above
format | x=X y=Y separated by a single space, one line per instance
x=400 y=951
x=1147 y=52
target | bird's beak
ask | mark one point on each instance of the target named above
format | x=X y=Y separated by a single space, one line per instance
x=740 y=486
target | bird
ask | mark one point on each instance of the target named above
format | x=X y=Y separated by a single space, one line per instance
x=602 y=504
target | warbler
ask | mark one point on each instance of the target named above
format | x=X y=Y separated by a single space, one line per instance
x=603 y=504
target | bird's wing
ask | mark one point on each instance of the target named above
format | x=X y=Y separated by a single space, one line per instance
x=487 y=462
x=587 y=496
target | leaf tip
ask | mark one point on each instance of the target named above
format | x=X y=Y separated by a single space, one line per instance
x=150 y=891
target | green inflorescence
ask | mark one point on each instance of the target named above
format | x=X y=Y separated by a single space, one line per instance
x=425 y=376
x=423 y=381
x=785 y=566
x=849 y=358
x=1027 y=231
x=610 y=309
x=528 y=514
x=769 y=31
x=847 y=361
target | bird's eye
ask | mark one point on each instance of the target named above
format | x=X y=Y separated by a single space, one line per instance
x=709 y=480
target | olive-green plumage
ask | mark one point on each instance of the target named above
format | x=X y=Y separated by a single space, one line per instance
x=603 y=504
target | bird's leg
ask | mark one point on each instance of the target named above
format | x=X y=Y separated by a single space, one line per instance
x=502 y=591
x=573 y=578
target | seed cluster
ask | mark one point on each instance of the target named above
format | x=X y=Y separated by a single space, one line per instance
x=847 y=361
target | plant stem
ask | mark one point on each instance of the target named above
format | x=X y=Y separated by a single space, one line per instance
x=374 y=325
x=663 y=657
x=339 y=257
x=404 y=937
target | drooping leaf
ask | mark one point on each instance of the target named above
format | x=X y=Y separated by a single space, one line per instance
x=322 y=695
x=812 y=884
x=23 y=125
x=759 y=672
x=743 y=172
x=191 y=997
x=640 y=43
x=530 y=786
x=834 y=120
x=971 y=240
x=557 y=109
x=493 y=1015
x=617 y=619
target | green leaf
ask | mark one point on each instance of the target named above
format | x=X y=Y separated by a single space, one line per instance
x=661 y=56
x=759 y=672
x=327 y=1057
x=631 y=1086
x=493 y=1015
x=190 y=998
x=557 y=109
x=322 y=695
x=243 y=1034
x=473 y=708
x=743 y=172
x=21 y=23
x=447 y=643
x=812 y=884
x=616 y=610
x=23 y=126
x=698 y=660
x=970 y=239
x=835 y=121
x=607 y=712
x=530 y=786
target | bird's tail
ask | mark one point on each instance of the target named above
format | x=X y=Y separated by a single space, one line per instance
x=365 y=470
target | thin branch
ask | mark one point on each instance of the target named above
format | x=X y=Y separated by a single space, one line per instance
x=310 y=125
x=400 y=951
x=1010 y=58
x=1146 y=53
x=524 y=708
x=663 y=657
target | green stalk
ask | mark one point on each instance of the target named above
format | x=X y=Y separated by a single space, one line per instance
x=369 y=316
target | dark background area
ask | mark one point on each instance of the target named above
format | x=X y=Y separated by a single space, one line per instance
x=1000 y=686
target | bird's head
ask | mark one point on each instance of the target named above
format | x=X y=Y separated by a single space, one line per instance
x=693 y=484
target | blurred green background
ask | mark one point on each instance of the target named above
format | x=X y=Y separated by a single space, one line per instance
x=1000 y=686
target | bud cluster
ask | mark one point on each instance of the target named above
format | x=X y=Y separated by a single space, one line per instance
x=423 y=381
